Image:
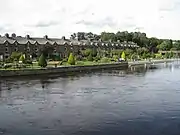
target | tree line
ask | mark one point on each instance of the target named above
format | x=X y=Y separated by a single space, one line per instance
x=153 y=44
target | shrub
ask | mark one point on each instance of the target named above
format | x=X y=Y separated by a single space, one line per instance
x=105 y=60
x=65 y=60
x=90 y=58
x=86 y=52
x=79 y=58
x=115 y=57
x=81 y=63
x=71 y=59
x=22 y=59
x=123 y=55
x=9 y=60
x=42 y=61
x=8 y=66
x=28 y=62
x=158 y=56
x=94 y=52
x=15 y=56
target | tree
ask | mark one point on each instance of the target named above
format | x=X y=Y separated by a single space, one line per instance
x=15 y=56
x=176 y=45
x=87 y=52
x=165 y=45
x=123 y=56
x=71 y=59
x=22 y=59
x=42 y=61
x=90 y=58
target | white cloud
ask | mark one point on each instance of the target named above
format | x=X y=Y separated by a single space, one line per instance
x=56 y=18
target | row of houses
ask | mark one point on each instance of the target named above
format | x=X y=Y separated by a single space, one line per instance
x=34 y=46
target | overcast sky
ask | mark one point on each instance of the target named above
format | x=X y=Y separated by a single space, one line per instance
x=157 y=18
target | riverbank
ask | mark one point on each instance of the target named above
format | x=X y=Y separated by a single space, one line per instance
x=84 y=68
x=138 y=63
x=61 y=70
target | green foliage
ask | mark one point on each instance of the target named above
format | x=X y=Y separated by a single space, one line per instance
x=142 y=50
x=105 y=60
x=171 y=55
x=79 y=57
x=9 y=60
x=81 y=63
x=28 y=62
x=116 y=52
x=94 y=52
x=8 y=66
x=71 y=59
x=166 y=55
x=158 y=56
x=42 y=61
x=123 y=56
x=97 y=58
x=165 y=45
x=153 y=55
x=115 y=57
x=15 y=56
x=134 y=56
x=22 y=59
x=86 y=52
x=90 y=58
x=144 y=56
x=176 y=46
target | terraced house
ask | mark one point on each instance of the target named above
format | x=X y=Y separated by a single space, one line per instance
x=33 y=46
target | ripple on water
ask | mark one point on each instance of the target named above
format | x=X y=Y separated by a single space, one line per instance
x=114 y=102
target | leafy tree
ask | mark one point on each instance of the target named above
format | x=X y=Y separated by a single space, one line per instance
x=22 y=59
x=176 y=45
x=47 y=50
x=165 y=45
x=87 y=52
x=90 y=58
x=42 y=61
x=144 y=56
x=171 y=55
x=94 y=52
x=15 y=56
x=71 y=59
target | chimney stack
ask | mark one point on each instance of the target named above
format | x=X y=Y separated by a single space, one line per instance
x=6 y=35
x=45 y=37
x=13 y=35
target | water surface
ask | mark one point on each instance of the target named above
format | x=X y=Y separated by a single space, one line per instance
x=137 y=101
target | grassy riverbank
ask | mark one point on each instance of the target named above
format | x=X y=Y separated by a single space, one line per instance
x=58 y=64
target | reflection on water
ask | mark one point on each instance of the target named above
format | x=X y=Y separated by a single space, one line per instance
x=140 y=101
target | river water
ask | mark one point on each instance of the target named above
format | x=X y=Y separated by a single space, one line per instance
x=137 y=101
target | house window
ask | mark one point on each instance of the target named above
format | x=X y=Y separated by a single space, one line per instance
x=16 y=49
x=6 y=49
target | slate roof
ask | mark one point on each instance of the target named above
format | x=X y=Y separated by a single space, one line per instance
x=59 y=41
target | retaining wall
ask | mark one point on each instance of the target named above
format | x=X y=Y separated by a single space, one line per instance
x=58 y=70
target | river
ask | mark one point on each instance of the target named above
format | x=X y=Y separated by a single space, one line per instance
x=137 y=101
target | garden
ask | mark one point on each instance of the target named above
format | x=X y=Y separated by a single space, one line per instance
x=18 y=60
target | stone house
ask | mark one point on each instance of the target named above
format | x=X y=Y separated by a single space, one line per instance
x=33 y=46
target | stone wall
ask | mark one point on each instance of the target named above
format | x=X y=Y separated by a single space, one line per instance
x=59 y=70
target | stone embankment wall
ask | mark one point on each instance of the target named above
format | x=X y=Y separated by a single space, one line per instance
x=59 y=70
